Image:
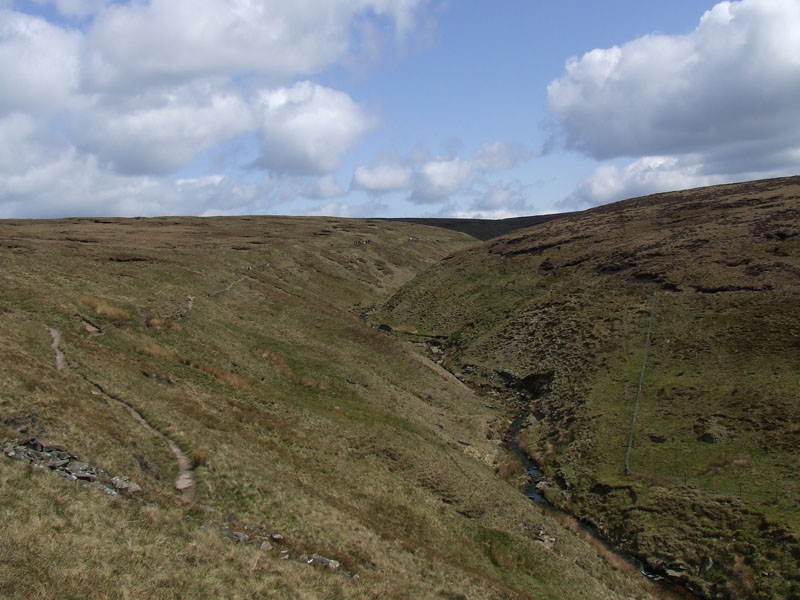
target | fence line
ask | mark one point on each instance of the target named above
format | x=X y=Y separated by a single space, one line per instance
x=639 y=392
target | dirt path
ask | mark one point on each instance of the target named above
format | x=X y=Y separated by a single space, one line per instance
x=226 y=289
x=61 y=360
x=185 y=482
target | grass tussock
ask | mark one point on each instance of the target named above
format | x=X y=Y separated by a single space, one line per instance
x=199 y=457
x=232 y=379
x=282 y=367
x=160 y=324
x=103 y=308
x=147 y=345
x=509 y=467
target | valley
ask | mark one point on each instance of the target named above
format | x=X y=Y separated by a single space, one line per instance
x=329 y=408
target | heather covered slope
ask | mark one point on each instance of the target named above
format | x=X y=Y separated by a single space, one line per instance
x=239 y=341
x=554 y=319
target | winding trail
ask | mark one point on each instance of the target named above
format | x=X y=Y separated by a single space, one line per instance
x=226 y=289
x=185 y=483
x=61 y=360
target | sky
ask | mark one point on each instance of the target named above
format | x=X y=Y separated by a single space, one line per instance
x=388 y=108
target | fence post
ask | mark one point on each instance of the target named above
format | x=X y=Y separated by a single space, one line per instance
x=639 y=391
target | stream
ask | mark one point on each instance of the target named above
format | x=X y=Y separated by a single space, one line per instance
x=535 y=475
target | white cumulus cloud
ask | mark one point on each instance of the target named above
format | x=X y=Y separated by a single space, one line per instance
x=644 y=176
x=712 y=104
x=171 y=40
x=383 y=178
x=323 y=188
x=436 y=179
x=101 y=105
x=161 y=131
x=39 y=64
x=306 y=128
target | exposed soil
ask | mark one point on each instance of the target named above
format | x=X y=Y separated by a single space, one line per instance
x=185 y=482
x=61 y=360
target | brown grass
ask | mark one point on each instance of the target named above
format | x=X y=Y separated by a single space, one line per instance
x=509 y=467
x=147 y=345
x=159 y=323
x=282 y=367
x=103 y=308
x=232 y=379
x=199 y=457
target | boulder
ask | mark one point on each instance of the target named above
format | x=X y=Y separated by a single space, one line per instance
x=317 y=559
x=77 y=466
x=122 y=484
x=562 y=479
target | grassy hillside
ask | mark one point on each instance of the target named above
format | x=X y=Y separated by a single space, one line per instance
x=554 y=320
x=238 y=344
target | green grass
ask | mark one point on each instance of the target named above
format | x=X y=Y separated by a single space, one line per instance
x=572 y=298
x=300 y=417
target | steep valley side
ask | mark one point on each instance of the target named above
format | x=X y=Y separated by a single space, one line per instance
x=554 y=320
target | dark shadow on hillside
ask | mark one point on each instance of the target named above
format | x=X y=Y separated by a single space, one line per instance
x=484 y=229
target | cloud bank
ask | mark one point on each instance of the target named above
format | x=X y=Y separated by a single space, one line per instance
x=435 y=180
x=107 y=102
x=716 y=104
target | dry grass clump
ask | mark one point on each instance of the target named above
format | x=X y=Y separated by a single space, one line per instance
x=147 y=345
x=159 y=323
x=282 y=368
x=278 y=363
x=232 y=379
x=509 y=467
x=103 y=308
x=612 y=558
x=199 y=457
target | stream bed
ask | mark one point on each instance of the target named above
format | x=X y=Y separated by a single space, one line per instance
x=531 y=491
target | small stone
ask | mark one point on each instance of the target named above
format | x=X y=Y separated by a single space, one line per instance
x=284 y=555
x=276 y=537
x=317 y=559
x=266 y=546
x=76 y=466
x=677 y=576
x=240 y=537
x=102 y=488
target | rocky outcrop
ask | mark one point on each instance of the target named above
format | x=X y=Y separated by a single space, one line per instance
x=69 y=466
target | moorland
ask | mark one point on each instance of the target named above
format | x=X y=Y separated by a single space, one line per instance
x=321 y=407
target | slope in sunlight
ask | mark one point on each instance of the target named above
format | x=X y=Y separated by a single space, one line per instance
x=554 y=319
x=242 y=432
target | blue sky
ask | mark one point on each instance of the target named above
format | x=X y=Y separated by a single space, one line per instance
x=388 y=107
